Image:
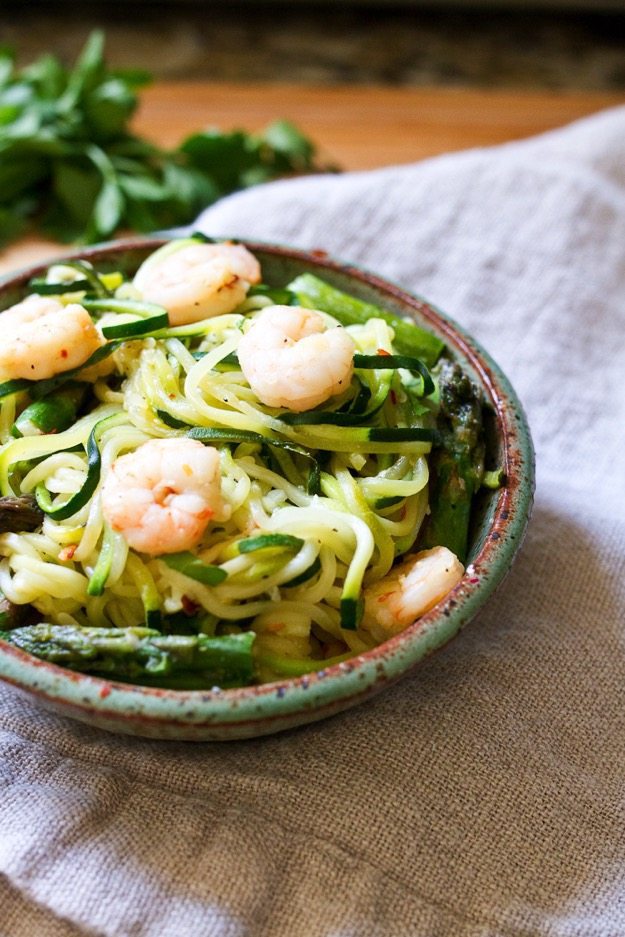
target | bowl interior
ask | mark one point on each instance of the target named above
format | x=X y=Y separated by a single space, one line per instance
x=498 y=524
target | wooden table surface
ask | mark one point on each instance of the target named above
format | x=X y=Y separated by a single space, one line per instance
x=354 y=126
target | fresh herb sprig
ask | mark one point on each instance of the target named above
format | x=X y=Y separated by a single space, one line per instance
x=71 y=166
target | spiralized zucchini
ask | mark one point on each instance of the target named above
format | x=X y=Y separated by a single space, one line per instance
x=320 y=503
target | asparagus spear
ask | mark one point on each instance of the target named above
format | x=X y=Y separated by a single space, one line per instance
x=142 y=655
x=457 y=465
x=315 y=293
x=53 y=413
x=18 y=514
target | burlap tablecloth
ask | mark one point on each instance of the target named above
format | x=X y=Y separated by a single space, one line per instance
x=483 y=795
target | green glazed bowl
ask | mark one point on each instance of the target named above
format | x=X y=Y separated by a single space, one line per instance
x=498 y=530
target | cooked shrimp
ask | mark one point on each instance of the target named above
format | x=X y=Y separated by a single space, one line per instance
x=162 y=496
x=41 y=337
x=290 y=359
x=198 y=281
x=409 y=591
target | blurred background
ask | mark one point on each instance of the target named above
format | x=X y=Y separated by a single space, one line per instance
x=551 y=44
x=368 y=83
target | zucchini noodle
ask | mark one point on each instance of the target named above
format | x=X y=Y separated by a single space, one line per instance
x=317 y=505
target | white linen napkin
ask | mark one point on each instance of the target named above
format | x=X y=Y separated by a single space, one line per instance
x=483 y=796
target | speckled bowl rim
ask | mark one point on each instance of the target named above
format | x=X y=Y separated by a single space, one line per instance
x=263 y=709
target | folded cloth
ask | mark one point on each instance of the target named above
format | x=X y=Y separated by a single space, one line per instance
x=483 y=795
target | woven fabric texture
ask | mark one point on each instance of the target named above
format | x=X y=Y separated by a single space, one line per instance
x=482 y=796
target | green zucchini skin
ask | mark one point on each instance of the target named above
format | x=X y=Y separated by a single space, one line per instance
x=77 y=501
x=39 y=389
x=138 y=328
x=189 y=565
x=270 y=541
x=43 y=288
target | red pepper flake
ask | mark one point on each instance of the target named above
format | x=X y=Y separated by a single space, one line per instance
x=67 y=552
x=105 y=691
x=63 y=352
x=393 y=397
x=189 y=607
x=474 y=580
x=384 y=352
x=274 y=627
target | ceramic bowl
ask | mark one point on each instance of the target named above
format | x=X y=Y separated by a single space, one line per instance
x=500 y=520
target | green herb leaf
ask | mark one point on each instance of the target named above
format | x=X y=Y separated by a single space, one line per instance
x=70 y=165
